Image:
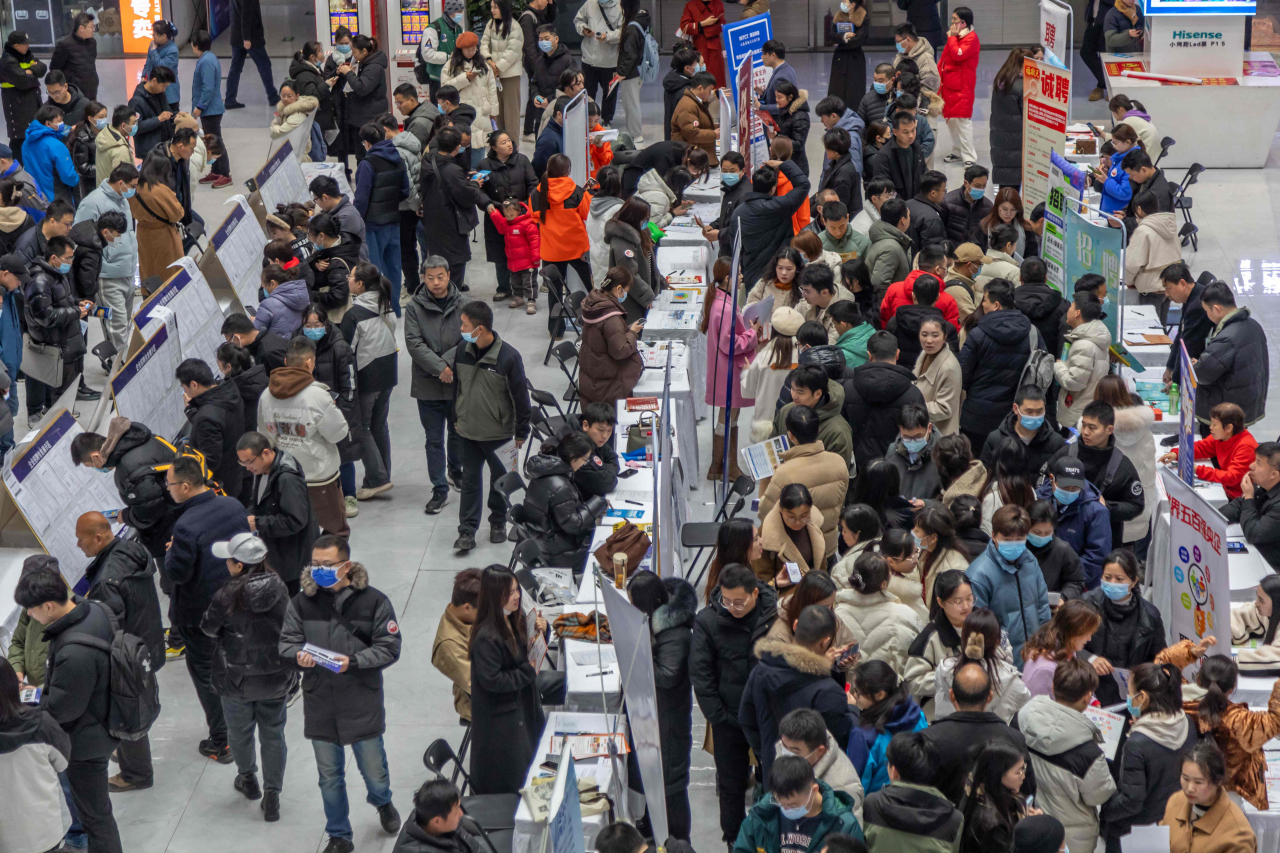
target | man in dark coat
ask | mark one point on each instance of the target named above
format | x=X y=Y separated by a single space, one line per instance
x=76 y=693
x=1027 y=423
x=1145 y=177
x=1193 y=324
x=196 y=575
x=992 y=360
x=215 y=412
x=281 y=512
x=433 y=825
x=1108 y=469
x=928 y=226
x=874 y=396
x=445 y=190
x=20 y=74
x=1257 y=510
x=923 y=15
x=357 y=623
x=76 y=55
x=121 y=577
x=660 y=157
x=721 y=658
x=901 y=160
x=155 y=119
x=551 y=140
x=248 y=38
x=266 y=348
x=794 y=674
x=966 y=206
x=684 y=64
x=1044 y=306
x=765 y=217
x=66 y=96
x=905 y=323
x=1233 y=367
x=535 y=14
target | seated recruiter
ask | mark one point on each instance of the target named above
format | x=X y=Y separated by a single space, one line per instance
x=1257 y=510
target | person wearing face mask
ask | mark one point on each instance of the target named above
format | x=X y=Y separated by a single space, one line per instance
x=1201 y=816
x=281 y=507
x=803 y=732
x=336 y=253
x=113 y=283
x=1082 y=520
x=600 y=22
x=46 y=157
x=559 y=519
x=1026 y=423
x=798 y=814
x=52 y=312
x=83 y=145
x=340 y=612
x=113 y=145
x=911 y=453
x=1132 y=630
x=1006 y=578
x=1059 y=563
x=610 y=363
x=438 y=41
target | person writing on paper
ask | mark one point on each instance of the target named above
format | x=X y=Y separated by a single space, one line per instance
x=1257 y=510
x=1201 y=817
x=558 y=518
x=506 y=714
x=1231 y=447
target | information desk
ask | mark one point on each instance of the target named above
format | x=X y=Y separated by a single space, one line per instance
x=528 y=836
x=684 y=442
x=1252 y=99
x=578 y=658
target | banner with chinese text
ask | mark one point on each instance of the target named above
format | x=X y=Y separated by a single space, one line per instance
x=1047 y=93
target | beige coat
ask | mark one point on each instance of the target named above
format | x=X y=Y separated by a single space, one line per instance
x=1081 y=371
x=450 y=654
x=883 y=626
x=112 y=150
x=823 y=315
x=291 y=117
x=823 y=473
x=948 y=560
x=941 y=387
x=968 y=483
x=1154 y=246
x=789 y=298
x=835 y=768
x=1001 y=266
x=481 y=93
x=780 y=550
x=1146 y=133
x=1222 y=829
x=506 y=53
x=910 y=592
x=922 y=53
x=763 y=383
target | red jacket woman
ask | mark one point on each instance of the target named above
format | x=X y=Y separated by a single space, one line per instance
x=1234 y=456
x=958 y=68
x=706 y=39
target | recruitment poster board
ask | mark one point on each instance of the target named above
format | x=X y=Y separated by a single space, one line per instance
x=188 y=301
x=1198 y=563
x=237 y=243
x=1186 y=416
x=1047 y=92
x=1097 y=249
x=1055 y=29
x=280 y=180
x=728 y=121
x=631 y=640
x=146 y=391
x=564 y=827
x=751 y=140
x=51 y=493
x=575 y=138
x=1054 y=243
x=745 y=40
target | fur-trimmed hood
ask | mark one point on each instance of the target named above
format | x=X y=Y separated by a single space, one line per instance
x=680 y=610
x=305 y=104
x=780 y=654
x=359 y=580
x=801 y=103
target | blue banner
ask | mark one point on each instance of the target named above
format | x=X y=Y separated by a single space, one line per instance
x=1187 y=417
x=1097 y=249
x=744 y=39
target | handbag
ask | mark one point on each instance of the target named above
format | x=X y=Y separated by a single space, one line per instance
x=640 y=433
x=627 y=539
x=42 y=362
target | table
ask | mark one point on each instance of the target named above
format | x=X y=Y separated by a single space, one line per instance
x=1143 y=318
x=685 y=440
x=578 y=658
x=527 y=836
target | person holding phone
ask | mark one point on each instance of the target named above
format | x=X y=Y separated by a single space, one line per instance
x=610 y=363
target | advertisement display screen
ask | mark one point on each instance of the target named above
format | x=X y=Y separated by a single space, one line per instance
x=414 y=18
x=1200 y=7
x=343 y=13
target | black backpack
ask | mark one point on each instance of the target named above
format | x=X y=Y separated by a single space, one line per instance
x=134 y=693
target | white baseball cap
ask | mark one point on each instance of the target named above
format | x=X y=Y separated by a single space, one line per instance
x=244 y=548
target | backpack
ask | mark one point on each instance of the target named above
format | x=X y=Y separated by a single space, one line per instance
x=649 y=62
x=1039 y=368
x=133 y=692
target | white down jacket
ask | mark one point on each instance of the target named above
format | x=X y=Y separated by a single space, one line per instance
x=883 y=626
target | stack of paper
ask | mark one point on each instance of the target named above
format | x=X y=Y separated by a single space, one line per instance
x=324 y=657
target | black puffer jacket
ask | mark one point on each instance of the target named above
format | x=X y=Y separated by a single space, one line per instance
x=217 y=422
x=367 y=91
x=872 y=400
x=963 y=218
x=151 y=130
x=21 y=92
x=53 y=317
x=1150 y=771
x=122 y=577
x=251 y=383
x=673 y=86
x=246 y=660
x=1047 y=311
x=284 y=517
x=86 y=266
x=991 y=364
x=794 y=124
x=905 y=326
x=78 y=59
x=672 y=625
x=1130 y=634
x=844 y=177
x=631 y=47
x=1006 y=134
x=308 y=80
x=1234 y=369
x=336 y=368
x=77 y=678
x=1060 y=566
x=84 y=154
x=330 y=290
x=722 y=653
x=1044 y=445
x=132 y=452
x=558 y=517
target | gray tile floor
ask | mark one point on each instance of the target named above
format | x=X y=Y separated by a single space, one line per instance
x=193 y=807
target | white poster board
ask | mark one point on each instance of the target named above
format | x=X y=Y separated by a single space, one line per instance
x=1197 y=562
x=630 y=630
x=564 y=829
x=1047 y=92
x=575 y=139
x=11 y=560
x=52 y=493
x=280 y=180
x=1055 y=33
x=189 y=301
x=238 y=244
x=299 y=139
x=145 y=389
x=728 y=121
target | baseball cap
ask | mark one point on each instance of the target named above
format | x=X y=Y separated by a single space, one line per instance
x=1068 y=473
x=244 y=548
x=968 y=253
x=13 y=264
x=6 y=153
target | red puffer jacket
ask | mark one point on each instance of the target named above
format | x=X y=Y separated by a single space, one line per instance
x=958 y=68
x=521 y=238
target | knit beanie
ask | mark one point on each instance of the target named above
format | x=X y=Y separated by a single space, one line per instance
x=1038 y=834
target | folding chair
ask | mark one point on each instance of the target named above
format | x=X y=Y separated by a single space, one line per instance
x=508 y=484
x=701 y=535
x=1183 y=203
x=561 y=309
x=565 y=352
x=495 y=841
x=526 y=554
x=1188 y=232
x=1165 y=144
x=518 y=518
x=491 y=811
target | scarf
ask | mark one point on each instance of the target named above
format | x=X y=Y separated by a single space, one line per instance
x=1128 y=9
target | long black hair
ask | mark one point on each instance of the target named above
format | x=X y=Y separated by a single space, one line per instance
x=945 y=586
x=458 y=62
x=1271 y=586
x=876 y=676
x=875 y=486
x=371 y=278
x=504 y=18
x=1218 y=675
x=987 y=788
x=495 y=586
x=1011 y=474
x=733 y=544
x=235 y=593
x=10 y=698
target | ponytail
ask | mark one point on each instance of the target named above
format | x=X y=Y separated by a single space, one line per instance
x=1217 y=676
x=870 y=573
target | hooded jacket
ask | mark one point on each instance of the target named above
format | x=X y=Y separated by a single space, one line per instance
x=302 y=418
x=330 y=289
x=557 y=516
x=1071 y=772
x=122 y=576
x=132 y=452
x=563 y=234
x=823 y=473
x=52 y=315
x=1234 y=368
x=674 y=85
x=86 y=265
x=1154 y=245
x=77 y=678
x=1150 y=769
x=958 y=70
x=1015 y=592
x=291 y=116
x=19 y=89
x=610 y=363
x=653 y=189
x=111 y=149
x=766 y=222
x=923 y=56
x=1086 y=362
x=1046 y=309
x=1006 y=133
x=602 y=53
x=1008 y=695
x=905 y=326
x=691 y=122
x=1044 y=445
x=1060 y=565
x=867 y=745
x=1134 y=438
x=414 y=839
x=310 y=83
x=853 y=343
x=34 y=750
x=833 y=430
x=520 y=239
x=45 y=156
x=909 y=818
x=887 y=258
x=357 y=621
x=602 y=209
x=762 y=830
x=794 y=123
x=217 y=422
x=872 y=399
x=382 y=183
x=1130 y=634
x=432 y=328
x=722 y=653
x=1124 y=494
x=835 y=769
x=120 y=257
x=284 y=518
x=883 y=626
x=246 y=658
x=626 y=250
x=151 y=130
x=371 y=332
x=1085 y=525
x=1002 y=266
x=920 y=476
x=991 y=364
x=281 y=311
x=367 y=96
x=940 y=385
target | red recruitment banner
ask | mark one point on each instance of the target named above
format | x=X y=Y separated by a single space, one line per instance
x=1114 y=68
x=1047 y=91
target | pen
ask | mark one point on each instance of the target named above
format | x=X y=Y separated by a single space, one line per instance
x=633 y=503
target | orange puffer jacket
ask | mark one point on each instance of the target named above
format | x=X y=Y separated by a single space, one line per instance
x=563 y=222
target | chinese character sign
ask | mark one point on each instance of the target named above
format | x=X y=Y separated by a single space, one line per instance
x=138 y=16
x=745 y=40
x=1054 y=29
x=1054 y=247
x=751 y=141
x=1095 y=249
x=1044 y=125
x=1198 y=563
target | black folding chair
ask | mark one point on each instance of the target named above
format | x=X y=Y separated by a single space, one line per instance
x=527 y=554
x=566 y=352
x=518 y=518
x=495 y=841
x=1182 y=202
x=563 y=305
x=1165 y=144
x=701 y=535
x=1188 y=232
x=508 y=484
x=490 y=811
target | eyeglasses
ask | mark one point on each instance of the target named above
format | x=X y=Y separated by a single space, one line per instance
x=244 y=463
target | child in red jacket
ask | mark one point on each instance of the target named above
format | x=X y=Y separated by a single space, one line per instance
x=1229 y=444
x=524 y=251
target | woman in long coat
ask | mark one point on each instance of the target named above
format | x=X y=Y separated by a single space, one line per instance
x=722 y=324
x=510 y=176
x=1006 y=121
x=158 y=212
x=849 y=64
x=506 y=710
x=706 y=36
x=610 y=362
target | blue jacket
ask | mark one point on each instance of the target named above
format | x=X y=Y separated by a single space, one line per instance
x=867 y=746
x=783 y=72
x=10 y=333
x=1084 y=525
x=190 y=564
x=168 y=57
x=46 y=157
x=1116 y=190
x=1015 y=592
x=120 y=259
x=853 y=124
x=550 y=141
x=206 y=86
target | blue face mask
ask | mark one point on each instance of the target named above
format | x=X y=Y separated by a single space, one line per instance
x=1064 y=497
x=1116 y=591
x=1011 y=550
x=63 y=130
x=133 y=130
x=701 y=66
x=916 y=539
x=976 y=194
x=623 y=297
x=1029 y=422
x=314 y=334
x=325 y=576
x=880 y=88
x=457 y=19
x=344 y=49
x=130 y=193
x=902 y=48
x=1134 y=710
x=469 y=337
x=730 y=179
x=64 y=268
x=799 y=811
x=914 y=445
x=99 y=123
x=1038 y=541
x=544 y=46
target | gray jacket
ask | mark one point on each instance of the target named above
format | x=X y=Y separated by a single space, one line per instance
x=120 y=258
x=1233 y=368
x=350 y=220
x=410 y=150
x=919 y=478
x=602 y=53
x=420 y=123
x=430 y=331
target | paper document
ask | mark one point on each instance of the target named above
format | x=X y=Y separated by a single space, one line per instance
x=604 y=136
x=324 y=657
x=509 y=455
x=592 y=657
x=761 y=459
x=1110 y=724
x=1146 y=839
x=762 y=311
x=589 y=745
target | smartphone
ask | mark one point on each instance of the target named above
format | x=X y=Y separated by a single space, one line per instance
x=1236 y=548
x=847 y=655
x=481 y=175
x=1093 y=129
x=111 y=514
x=102 y=312
x=629 y=472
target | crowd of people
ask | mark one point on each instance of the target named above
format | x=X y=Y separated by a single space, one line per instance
x=946 y=569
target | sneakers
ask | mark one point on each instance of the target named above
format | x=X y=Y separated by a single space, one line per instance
x=247 y=784
x=208 y=179
x=353 y=508
x=232 y=105
x=516 y=302
x=455 y=480
x=465 y=542
x=87 y=394
x=464 y=287
x=390 y=819
x=172 y=653
x=951 y=158
x=498 y=533
x=338 y=845
x=221 y=181
x=531 y=308
x=270 y=807
x=528 y=137
x=117 y=785
x=33 y=419
x=436 y=503
x=364 y=494
x=220 y=753
x=499 y=296
x=1097 y=95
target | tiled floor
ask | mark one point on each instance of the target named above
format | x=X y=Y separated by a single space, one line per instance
x=193 y=807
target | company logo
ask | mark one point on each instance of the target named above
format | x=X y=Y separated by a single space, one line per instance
x=1187 y=34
